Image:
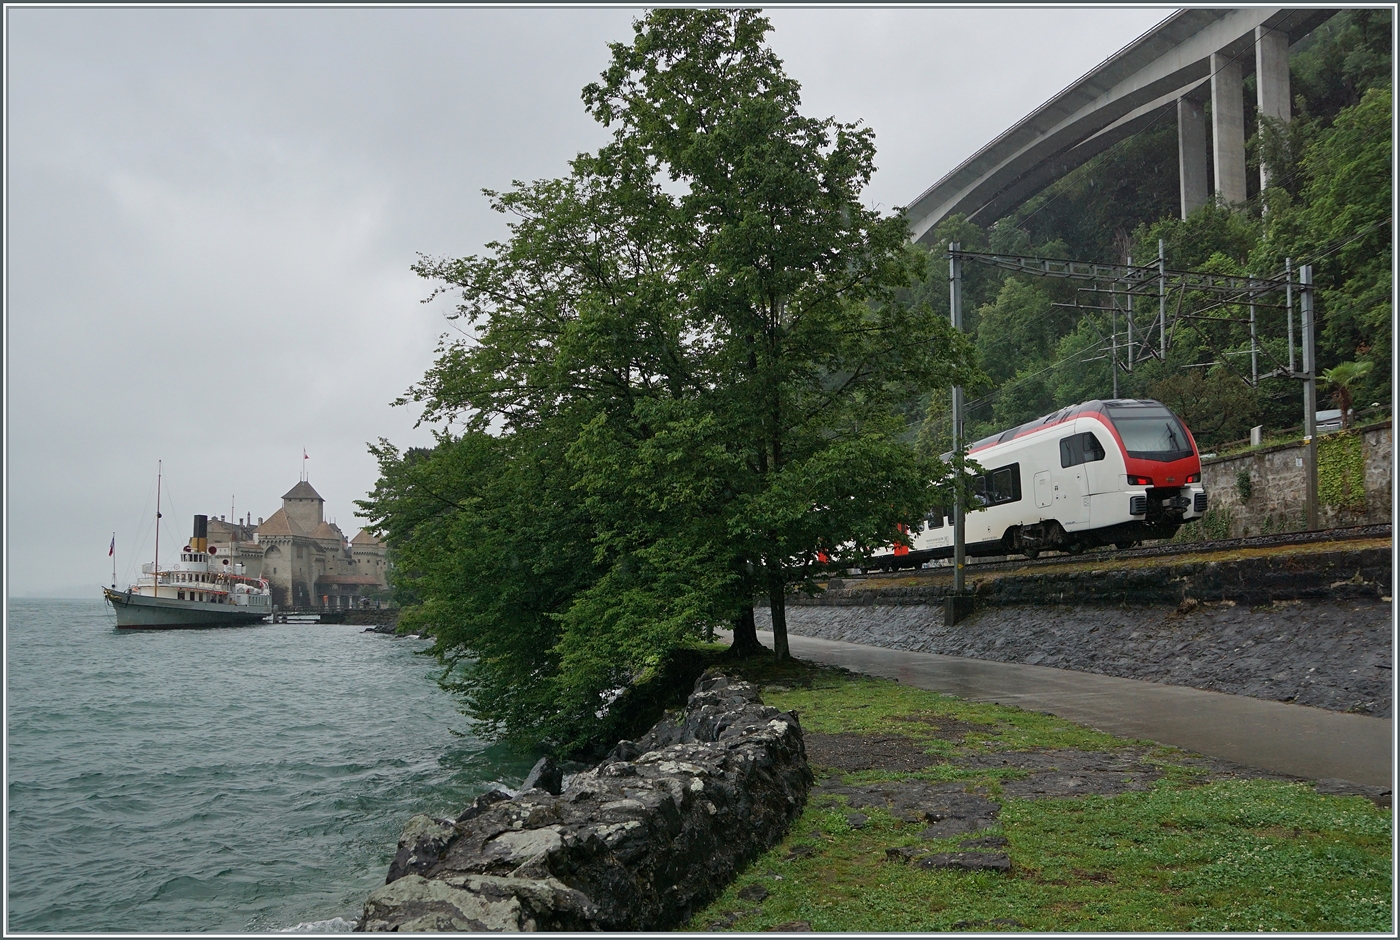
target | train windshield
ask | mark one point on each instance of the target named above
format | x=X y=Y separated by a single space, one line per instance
x=1150 y=432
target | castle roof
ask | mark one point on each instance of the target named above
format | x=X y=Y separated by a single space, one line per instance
x=328 y=530
x=302 y=490
x=279 y=523
x=365 y=537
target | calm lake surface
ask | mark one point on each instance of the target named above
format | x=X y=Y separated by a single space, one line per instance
x=235 y=780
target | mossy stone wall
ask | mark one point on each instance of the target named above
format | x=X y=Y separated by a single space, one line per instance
x=1354 y=485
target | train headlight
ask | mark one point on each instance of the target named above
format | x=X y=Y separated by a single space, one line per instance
x=1139 y=481
x=1194 y=478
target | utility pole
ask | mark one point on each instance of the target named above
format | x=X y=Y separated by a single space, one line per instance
x=1309 y=377
x=959 y=531
x=1253 y=346
x=1288 y=269
x=1113 y=319
x=1162 y=295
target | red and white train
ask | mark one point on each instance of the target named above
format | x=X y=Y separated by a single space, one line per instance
x=1100 y=473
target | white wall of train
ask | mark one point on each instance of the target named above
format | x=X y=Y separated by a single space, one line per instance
x=1111 y=472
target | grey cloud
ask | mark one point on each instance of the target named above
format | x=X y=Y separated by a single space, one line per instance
x=212 y=213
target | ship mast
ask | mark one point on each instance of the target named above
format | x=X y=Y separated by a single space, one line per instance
x=155 y=571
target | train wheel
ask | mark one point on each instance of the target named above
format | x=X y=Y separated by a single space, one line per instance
x=1124 y=546
x=1031 y=553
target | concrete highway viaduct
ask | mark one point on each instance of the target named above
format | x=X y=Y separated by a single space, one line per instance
x=1189 y=58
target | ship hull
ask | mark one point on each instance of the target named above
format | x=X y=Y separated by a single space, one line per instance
x=139 y=612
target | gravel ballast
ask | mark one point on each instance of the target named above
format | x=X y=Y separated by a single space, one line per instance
x=1333 y=654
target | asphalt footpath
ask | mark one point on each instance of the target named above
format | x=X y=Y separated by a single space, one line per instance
x=1307 y=742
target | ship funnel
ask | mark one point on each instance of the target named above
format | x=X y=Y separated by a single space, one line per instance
x=200 y=541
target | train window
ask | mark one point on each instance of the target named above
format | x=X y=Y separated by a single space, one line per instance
x=934 y=520
x=1080 y=448
x=1150 y=432
x=1004 y=484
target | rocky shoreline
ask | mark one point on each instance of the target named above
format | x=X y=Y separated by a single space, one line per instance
x=640 y=842
x=1333 y=654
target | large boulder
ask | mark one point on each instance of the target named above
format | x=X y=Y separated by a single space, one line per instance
x=639 y=842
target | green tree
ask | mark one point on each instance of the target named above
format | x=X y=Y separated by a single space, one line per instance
x=491 y=546
x=1217 y=406
x=697 y=346
x=1018 y=331
x=1349 y=225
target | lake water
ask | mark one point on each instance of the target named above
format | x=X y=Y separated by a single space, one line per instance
x=235 y=780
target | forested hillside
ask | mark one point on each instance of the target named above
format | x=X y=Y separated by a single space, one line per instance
x=1328 y=204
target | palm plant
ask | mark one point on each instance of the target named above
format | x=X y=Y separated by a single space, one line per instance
x=1343 y=379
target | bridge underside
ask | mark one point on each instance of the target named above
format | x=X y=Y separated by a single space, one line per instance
x=1191 y=57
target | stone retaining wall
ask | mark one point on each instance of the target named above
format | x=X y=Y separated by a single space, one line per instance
x=1328 y=654
x=640 y=842
x=1306 y=627
x=1278 y=489
x=1281 y=576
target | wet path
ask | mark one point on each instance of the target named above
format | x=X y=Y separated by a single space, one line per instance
x=1293 y=739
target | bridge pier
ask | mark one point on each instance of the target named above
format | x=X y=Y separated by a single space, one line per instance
x=1271 y=71
x=1191 y=149
x=1227 y=120
x=1227 y=126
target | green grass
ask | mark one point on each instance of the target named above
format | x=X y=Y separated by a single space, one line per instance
x=1238 y=855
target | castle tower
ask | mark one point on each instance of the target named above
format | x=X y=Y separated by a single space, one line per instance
x=304 y=506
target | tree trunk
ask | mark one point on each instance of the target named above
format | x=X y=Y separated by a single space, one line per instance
x=777 y=607
x=745 y=637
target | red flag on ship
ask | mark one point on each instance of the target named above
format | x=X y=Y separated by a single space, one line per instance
x=112 y=549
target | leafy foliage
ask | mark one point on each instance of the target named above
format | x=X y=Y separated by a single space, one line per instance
x=1342 y=378
x=1341 y=471
x=690 y=365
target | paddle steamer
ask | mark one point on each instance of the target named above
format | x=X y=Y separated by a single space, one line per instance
x=200 y=590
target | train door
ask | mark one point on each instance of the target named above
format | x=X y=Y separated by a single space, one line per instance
x=1104 y=475
x=1071 y=488
x=978 y=525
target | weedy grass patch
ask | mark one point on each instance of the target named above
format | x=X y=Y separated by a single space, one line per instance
x=1236 y=855
x=836 y=703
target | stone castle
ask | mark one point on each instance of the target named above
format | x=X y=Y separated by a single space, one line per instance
x=307 y=561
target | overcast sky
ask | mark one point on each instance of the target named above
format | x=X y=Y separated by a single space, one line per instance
x=211 y=214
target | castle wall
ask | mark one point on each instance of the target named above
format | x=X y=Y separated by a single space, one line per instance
x=308 y=562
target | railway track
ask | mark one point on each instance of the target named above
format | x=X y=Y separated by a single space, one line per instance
x=1161 y=550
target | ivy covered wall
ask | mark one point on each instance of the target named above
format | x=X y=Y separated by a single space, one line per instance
x=1265 y=490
